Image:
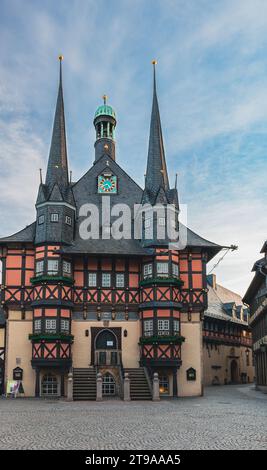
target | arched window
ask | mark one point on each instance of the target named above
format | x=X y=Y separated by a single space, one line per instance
x=108 y=384
x=49 y=385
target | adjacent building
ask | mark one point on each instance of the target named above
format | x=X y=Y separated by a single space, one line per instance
x=101 y=304
x=255 y=297
x=227 y=341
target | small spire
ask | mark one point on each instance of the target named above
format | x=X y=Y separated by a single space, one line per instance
x=57 y=169
x=105 y=98
x=156 y=173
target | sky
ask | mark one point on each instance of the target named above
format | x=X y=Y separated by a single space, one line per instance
x=212 y=90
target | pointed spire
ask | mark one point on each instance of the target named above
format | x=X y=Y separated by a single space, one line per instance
x=156 y=173
x=57 y=169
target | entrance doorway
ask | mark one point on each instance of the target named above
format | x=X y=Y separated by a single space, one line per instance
x=106 y=349
x=234 y=371
x=108 y=385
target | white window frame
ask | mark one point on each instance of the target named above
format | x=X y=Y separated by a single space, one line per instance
x=66 y=267
x=54 y=217
x=50 y=325
x=68 y=220
x=39 y=268
x=92 y=280
x=37 y=324
x=50 y=270
x=176 y=326
x=163 y=327
x=163 y=269
x=105 y=277
x=41 y=219
x=147 y=270
x=64 y=325
x=120 y=280
x=148 y=327
x=175 y=270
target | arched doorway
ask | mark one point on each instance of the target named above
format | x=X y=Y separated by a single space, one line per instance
x=234 y=371
x=106 y=348
x=108 y=385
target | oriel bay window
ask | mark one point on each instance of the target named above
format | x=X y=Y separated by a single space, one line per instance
x=148 y=328
x=66 y=268
x=65 y=326
x=37 y=325
x=39 y=269
x=52 y=267
x=176 y=327
x=148 y=270
x=50 y=325
x=163 y=327
x=175 y=270
x=163 y=269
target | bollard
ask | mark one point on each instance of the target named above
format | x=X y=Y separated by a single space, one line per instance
x=156 y=387
x=126 y=387
x=99 y=387
x=70 y=387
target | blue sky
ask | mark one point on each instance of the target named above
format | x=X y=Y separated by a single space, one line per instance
x=212 y=87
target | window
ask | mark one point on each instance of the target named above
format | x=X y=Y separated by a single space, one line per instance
x=37 y=325
x=92 y=279
x=65 y=325
x=176 y=326
x=175 y=270
x=108 y=385
x=50 y=326
x=41 y=219
x=106 y=280
x=119 y=280
x=68 y=220
x=49 y=385
x=54 y=217
x=163 y=269
x=39 y=270
x=163 y=327
x=163 y=385
x=147 y=270
x=148 y=328
x=66 y=267
x=52 y=267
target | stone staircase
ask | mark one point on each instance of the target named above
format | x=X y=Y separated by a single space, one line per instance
x=84 y=384
x=139 y=387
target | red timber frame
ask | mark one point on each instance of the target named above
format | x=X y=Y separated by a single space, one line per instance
x=164 y=298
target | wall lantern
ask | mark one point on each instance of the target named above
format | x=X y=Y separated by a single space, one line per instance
x=125 y=333
x=86 y=332
x=191 y=374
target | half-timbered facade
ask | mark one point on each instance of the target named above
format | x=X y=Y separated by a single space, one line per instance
x=255 y=297
x=227 y=340
x=103 y=304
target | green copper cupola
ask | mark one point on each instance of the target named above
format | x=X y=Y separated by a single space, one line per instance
x=105 y=123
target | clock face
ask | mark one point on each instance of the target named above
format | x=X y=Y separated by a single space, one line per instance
x=107 y=184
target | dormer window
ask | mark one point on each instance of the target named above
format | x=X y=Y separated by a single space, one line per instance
x=68 y=220
x=54 y=217
x=41 y=219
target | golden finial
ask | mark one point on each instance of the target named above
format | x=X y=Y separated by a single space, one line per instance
x=105 y=98
x=60 y=57
x=154 y=62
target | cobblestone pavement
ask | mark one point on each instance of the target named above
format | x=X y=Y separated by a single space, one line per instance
x=229 y=417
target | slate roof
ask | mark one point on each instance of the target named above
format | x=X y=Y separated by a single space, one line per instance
x=27 y=234
x=218 y=299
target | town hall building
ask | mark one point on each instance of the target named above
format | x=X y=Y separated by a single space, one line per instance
x=103 y=305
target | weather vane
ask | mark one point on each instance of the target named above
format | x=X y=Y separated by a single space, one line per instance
x=105 y=98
